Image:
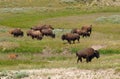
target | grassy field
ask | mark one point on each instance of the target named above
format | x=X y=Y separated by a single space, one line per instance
x=48 y=53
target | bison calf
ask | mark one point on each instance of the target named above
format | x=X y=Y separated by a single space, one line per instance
x=88 y=54
x=12 y=56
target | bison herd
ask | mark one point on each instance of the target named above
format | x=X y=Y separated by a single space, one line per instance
x=47 y=30
x=37 y=32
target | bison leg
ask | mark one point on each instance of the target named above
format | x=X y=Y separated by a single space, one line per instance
x=79 y=58
x=87 y=59
x=32 y=37
x=78 y=40
x=69 y=41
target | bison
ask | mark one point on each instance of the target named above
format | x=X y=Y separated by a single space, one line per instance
x=88 y=54
x=35 y=34
x=82 y=33
x=77 y=30
x=12 y=56
x=17 y=32
x=48 y=32
x=85 y=33
x=70 y=37
x=42 y=27
x=29 y=32
x=87 y=28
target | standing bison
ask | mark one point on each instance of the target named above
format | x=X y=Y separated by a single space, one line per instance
x=87 y=28
x=70 y=37
x=88 y=54
x=34 y=34
x=40 y=27
x=82 y=33
x=77 y=30
x=48 y=32
x=16 y=32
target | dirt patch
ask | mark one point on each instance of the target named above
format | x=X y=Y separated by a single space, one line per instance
x=97 y=47
x=69 y=73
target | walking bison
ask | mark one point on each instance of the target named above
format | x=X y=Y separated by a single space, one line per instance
x=16 y=32
x=70 y=37
x=40 y=27
x=87 y=28
x=88 y=54
x=35 y=34
x=48 y=32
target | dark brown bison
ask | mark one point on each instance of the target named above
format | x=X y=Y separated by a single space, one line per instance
x=88 y=54
x=16 y=32
x=87 y=28
x=40 y=27
x=70 y=37
x=48 y=32
x=35 y=34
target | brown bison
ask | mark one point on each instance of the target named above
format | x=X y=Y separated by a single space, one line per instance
x=85 y=33
x=87 y=28
x=29 y=32
x=88 y=54
x=16 y=32
x=35 y=34
x=12 y=56
x=76 y=30
x=70 y=37
x=42 y=27
x=82 y=33
x=48 y=32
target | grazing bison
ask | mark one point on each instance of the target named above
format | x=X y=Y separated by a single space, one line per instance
x=88 y=54
x=48 y=32
x=70 y=37
x=87 y=28
x=12 y=56
x=42 y=27
x=16 y=32
x=35 y=34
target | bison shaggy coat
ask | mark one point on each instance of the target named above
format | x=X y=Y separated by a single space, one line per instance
x=70 y=37
x=88 y=54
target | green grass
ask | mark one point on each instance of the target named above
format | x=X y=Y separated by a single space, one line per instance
x=33 y=17
x=60 y=61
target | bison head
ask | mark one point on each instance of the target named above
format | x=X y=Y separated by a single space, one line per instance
x=63 y=37
x=96 y=54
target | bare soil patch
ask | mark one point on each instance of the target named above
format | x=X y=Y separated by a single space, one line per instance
x=69 y=73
